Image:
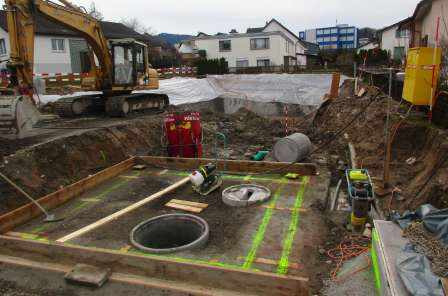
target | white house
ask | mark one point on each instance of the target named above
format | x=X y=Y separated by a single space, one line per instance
x=395 y=40
x=271 y=45
x=368 y=46
x=58 y=49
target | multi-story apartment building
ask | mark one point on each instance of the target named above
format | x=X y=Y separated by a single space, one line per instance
x=338 y=37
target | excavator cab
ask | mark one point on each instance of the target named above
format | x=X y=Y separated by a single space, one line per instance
x=130 y=65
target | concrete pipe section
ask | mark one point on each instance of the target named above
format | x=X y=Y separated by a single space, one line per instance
x=293 y=148
x=170 y=233
x=245 y=195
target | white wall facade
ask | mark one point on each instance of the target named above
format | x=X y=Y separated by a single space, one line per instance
x=428 y=24
x=45 y=59
x=284 y=47
x=279 y=47
x=389 y=40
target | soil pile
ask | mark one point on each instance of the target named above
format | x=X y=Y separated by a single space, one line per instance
x=418 y=167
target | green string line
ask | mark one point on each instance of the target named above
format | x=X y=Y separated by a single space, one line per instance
x=184 y=260
x=82 y=204
x=292 y=229
x=235 y=177
x=259 y=235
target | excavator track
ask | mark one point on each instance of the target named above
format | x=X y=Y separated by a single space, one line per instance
x=76 y=106
x=121 y=106
x=115 y=106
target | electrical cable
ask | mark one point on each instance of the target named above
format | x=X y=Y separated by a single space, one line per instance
x=350 y=247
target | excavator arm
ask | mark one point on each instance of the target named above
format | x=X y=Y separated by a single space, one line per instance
x=21 y=17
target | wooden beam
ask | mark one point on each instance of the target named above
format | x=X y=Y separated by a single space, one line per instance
x=35 y=269
x=29 y=211
x=241 y=166
x=240 y=280
x=123 y=212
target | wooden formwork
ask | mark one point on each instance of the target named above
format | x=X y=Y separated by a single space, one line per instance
x=213 y=278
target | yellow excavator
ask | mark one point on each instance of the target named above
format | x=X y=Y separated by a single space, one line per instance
x=118 y=69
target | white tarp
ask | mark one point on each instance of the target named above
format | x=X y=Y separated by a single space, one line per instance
x=303 y=89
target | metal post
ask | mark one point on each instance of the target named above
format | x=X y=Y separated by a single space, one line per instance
x=388 y=144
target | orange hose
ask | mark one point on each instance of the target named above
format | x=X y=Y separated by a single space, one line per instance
x=350 y=247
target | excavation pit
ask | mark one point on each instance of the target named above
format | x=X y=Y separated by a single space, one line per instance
x=102 y=210
x=170 y=233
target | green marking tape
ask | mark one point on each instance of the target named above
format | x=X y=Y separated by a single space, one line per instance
x=375 y=264
x=184 y=260
x=35 y=237
x=82 y=204
x=292 y=229
x=259 y=235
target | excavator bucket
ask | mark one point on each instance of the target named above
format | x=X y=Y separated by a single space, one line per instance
x=18 y=115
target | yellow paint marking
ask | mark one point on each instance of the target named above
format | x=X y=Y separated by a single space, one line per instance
x=126 y=248
x=162 y=172
x=272 y=262
x=283 y=209
x=129 y=177
x=90 y=199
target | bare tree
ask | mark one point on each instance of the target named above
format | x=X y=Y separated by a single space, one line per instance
x=94 y=12
x=137 y=26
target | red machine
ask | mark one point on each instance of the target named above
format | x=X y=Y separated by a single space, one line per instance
x=183 y=134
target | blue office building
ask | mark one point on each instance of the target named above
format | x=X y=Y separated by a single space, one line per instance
x=338 y=37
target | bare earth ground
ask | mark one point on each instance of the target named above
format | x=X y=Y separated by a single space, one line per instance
x=60 y=157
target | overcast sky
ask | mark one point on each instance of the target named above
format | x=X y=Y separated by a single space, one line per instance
x=211 y=16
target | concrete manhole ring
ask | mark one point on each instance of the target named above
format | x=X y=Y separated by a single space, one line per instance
x=170 y=233
x=244 y=195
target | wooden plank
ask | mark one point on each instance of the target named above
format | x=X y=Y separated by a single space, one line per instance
x=243 y=281
x=29 y=211
x=190 y=203
x=123 y=212
x=34 y=269
x=183 y=208
x=242 y=166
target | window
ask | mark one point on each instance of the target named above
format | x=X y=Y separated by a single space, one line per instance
x=320 y=39
x=320 y=32
x=334 y=38
x=2 y=47
x=343 y=31
x=351 y=30
x=350 y=38
x=402 y=33
x=58 y=45
x=327 y=31
x=263 y=63
x=399 y=53
x=225 y=45
x=259 y=43
x=242 y=63
x=334 y=30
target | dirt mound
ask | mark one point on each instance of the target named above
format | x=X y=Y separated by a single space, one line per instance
x=44 y=167
x=424 y=145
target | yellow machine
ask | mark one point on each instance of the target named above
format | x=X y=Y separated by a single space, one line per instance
x=122 y=66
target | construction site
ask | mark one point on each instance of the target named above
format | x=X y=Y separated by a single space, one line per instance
x=126 y=182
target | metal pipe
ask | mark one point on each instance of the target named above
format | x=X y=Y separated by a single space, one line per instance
x=26 y=195
x=336 y=195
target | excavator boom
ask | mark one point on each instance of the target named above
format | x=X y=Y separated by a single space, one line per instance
x=122 y=67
